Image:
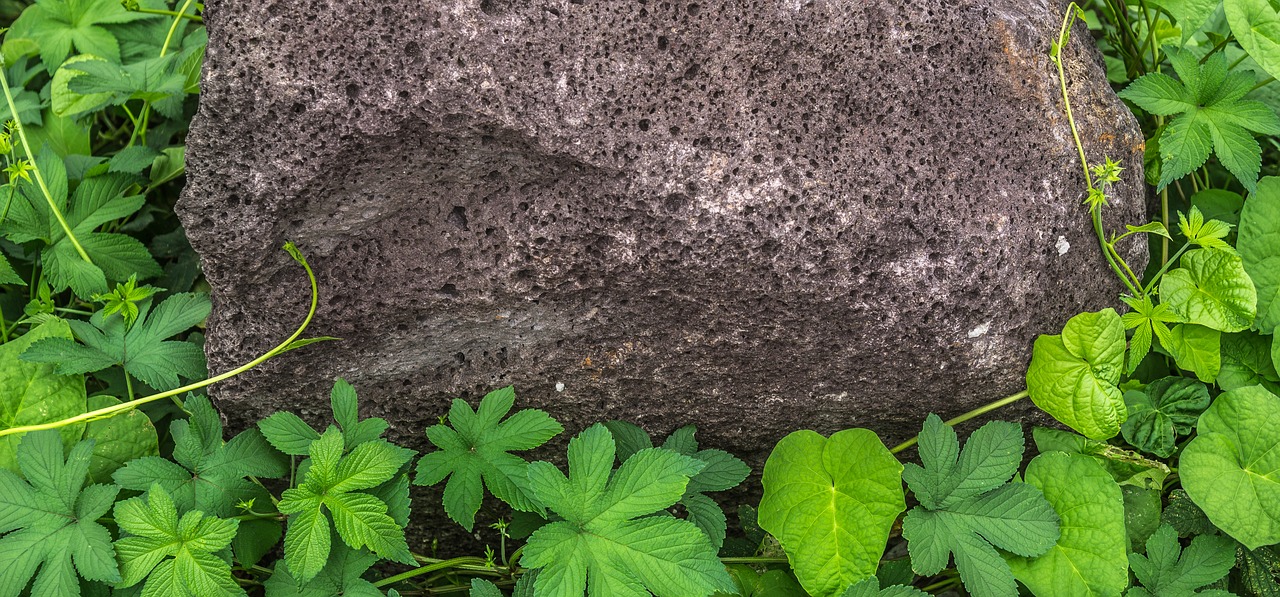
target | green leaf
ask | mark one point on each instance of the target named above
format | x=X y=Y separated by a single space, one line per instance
x=1212 y=289
x=1168 y=571
x=208 y=475
x=1259 y=245
x=342 y=575
x=288 y=433
x=70 y=103
x=1208 y=234
x=1189 y=14
x=32 y=393
x=153 y=533
x=871 y=588
x=1089 y=557
x=118 y=439
x=1073 y=376
x=335 y=482
x=254 y=539
x=1147 y=320
x=1260 y=570
x=1246 y=361
x=607 y=538
x=51 y=520
x=770 y=583
x=477 y=450
x=63 y=134
x=1141 y=515
x=1128 y=468
x=141 y=349
x=969 y=508
x=831 y=502
x=1158 y=414
x=1232 y=468
x=484 y=588
x=1257 y=28
x=1196 y=348
x=1185 y=516
x=58 y=25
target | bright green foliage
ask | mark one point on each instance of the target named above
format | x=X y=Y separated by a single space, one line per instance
x=607 y=538
x=50 y=522
x=1168 y=571
x=342 y=575
x=31 y=393
x=291 y=435
x=1208 y=234
x=1189 y=14
x=1128 y=468
x=1259 y=245
x=1246 y=361
x=118 y=440
x=172 y=556
x=871 y=588
x=1257 y=27
x=208 y=475
x=483 y=588
x=142 y=349
x=1212 y=289
x=1146 y=319
x=1197 y=349
x=831 y=502
x=770 y=583
x=1158 y=414
x=1073 y=376
x=57 y=25
x=124 y=299
x=338 y=484
x=97 y=201
x=1210 y=116
x=474 y=454
x=968 y=507
x=1089 y=557
x=723 y=471
x=1232 y=468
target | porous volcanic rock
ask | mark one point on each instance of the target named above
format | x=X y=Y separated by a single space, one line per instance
x=753 y=215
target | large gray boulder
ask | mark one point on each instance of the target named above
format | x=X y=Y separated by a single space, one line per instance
x=755 y=216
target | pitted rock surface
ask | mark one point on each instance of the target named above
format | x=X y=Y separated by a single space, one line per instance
x=752 y=215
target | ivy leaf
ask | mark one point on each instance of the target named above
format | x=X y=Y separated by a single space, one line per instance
x=32 y=393
x=723 y=471
x=336 y=483
x=57 y=25
x=1211 y=288
x=1232 y=468
x=1089 y=557
x=50 y=521
x=1158 y=414
x=1073 y=376
x=1168 y=571
x=1146 y=319
x=142 y=349
x=871 y=588
x=1259 y=245
x=209 y=475
x=173 y=556
x=831 y=502
x=342 y=575
x=607 y=538
x=1210 y=116
x=1246 y=361
x=477 y=450
x=1197 y=349
x=969 y=508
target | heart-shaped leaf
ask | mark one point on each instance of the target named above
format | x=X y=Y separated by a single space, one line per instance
x=1197 y=348
x=1259 y=246
x=1212 y=289
x=1166 y=408
x=1073 y=376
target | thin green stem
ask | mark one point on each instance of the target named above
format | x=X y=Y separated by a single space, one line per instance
x=1263 y=83
x=128 y=384
x=1237 y=62
x=1164 y=268
x=35 y=169
x=1115 y=255
x=1151 y=30
x=110 y=411
x=141 y=130
x=1218 y=48
x=466 y=562
x=1164 y=217
x=977 y=412
x=170 y=13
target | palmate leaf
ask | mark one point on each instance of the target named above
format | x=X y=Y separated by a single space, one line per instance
x=338 y=484
x=871 y=588
x=342 y=575
x=1146 y=320
x=32 y=393
x=1073 y=376
x=291 y=435
x=172 y=556
x=1259 y=245
x=968 y=507
x=475 y=453
x=57 y=25
x=142 y=349
x=1168 y=571
x=1158 y=414
x=607 y=539
x=208 y=475
x=1210 y=116
x=723 y=472
x=49 y=521
x=831 y=502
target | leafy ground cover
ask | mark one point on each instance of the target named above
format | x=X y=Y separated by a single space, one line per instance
x=116 y=477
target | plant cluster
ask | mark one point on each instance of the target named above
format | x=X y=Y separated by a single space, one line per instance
x=1164 y=479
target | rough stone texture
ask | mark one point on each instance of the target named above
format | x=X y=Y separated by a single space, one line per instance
x=755 y=215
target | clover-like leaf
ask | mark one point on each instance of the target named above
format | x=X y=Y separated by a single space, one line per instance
x=1232 y=468
x=607 y=539
x=1212 y=289
x=831 y=502
x=475 y=453
x=1166 y=408
x=1259 y=244
x=1073 y=376
x=1169 y=571
x=173 y=556
x=968 y=507
x=1089 y=557
x=49 y=521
